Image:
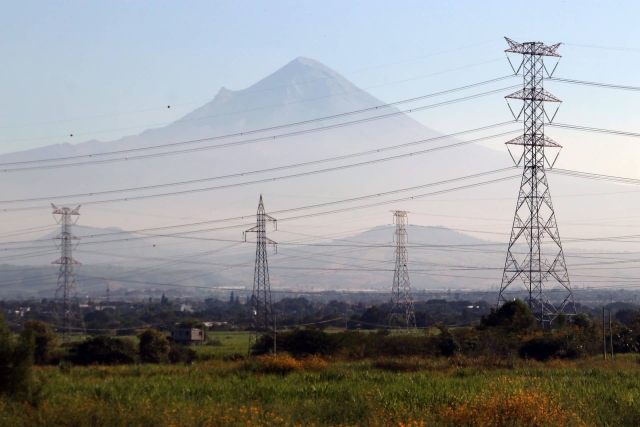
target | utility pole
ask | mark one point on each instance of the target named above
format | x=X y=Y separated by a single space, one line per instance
x=534 y=222
x=66 y=287
x=604 y=337
x=610 y=334
x=262 y=320
x=401 y=298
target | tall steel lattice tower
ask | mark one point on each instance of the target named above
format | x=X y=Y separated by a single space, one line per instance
x=262 y=320
x=541 y=264
x=66 y=289
x=401 y=298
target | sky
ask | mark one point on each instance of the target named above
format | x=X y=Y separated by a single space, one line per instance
x=106 y=69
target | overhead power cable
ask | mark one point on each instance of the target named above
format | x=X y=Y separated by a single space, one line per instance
x=272 y=128
x=593 y=130
x=594 y=84
x=316 y=206
x=596 y=176
x=242 y=184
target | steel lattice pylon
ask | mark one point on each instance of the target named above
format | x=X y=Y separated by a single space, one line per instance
x=401 y=298
x=542 y=264
x=262 y=320
x=66 y=274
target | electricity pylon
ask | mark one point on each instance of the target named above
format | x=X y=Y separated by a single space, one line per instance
x=66 y=287
x=401 y=298
x=541 y=265
x=262 y=320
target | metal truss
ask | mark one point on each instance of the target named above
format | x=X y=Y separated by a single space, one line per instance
x=262 y=319
x=401 y=297
x=66 y=287
x=535 y=254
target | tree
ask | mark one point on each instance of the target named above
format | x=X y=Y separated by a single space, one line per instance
x=154 y=347
x=164 y=300
x=447 y=344
x=561 y=320
x=514 y=316
x=628 y=316
x=373 y=317
x=45 y=340
x=16 y=362
x=581 y=320
x=104 y=350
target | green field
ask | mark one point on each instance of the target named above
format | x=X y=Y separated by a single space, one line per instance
x=381 y=392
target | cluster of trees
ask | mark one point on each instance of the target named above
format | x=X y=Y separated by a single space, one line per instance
x=510 y=331
x=233 y=313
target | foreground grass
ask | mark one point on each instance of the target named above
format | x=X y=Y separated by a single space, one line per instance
x=400 y=392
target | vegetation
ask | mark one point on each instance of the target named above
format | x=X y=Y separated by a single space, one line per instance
x=44 y=340
x=16 y=363
x=153 y=347
x=504 y=371
x=286 y=392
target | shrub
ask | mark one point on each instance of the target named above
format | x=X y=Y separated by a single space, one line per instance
x=16 y=362
x=303 y=342
x=523 y=408
x=313 y=363
x=549 y=346
x=447 y=344
x=181 y=354
x=153 y=347
x=104 y=350
x=45 y=340
x=513 y=316
x=281 y=364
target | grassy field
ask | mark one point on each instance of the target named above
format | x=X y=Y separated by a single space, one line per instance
x=399 y=392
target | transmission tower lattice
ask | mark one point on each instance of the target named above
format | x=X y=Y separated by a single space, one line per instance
x=401 y=298
x=66 y=288
x=262 y=320
x=542 y=264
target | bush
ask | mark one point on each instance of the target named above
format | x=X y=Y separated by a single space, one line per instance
x=153 y=347
x=45 y=340
x=549 y=346
x=514 y=316
x=104 y=350
x=304 y=342
x=181 y=354
x=447 y=344
x=16 y=363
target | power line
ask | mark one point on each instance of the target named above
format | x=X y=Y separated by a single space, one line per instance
x=593 y=130
x=252 y=132
x=279 y=168
x=594 y=84
x=327 y=204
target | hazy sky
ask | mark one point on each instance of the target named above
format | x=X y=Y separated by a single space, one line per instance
x=106 y=69
x=68 y=62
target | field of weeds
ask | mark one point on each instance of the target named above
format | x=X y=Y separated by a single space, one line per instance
x=316 y=392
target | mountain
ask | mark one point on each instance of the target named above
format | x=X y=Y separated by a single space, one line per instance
x=364 y=261
x=300 y=91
